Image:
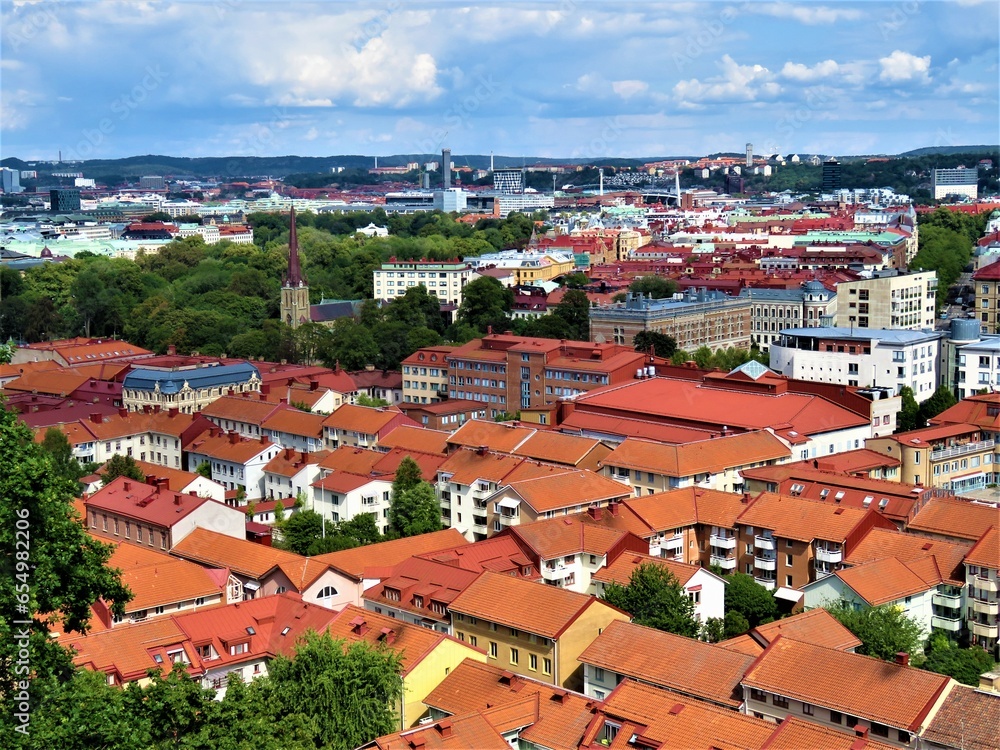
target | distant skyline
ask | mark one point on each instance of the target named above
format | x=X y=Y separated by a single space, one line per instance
x=566 y=78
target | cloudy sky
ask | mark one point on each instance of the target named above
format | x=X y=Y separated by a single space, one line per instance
x=580 y=78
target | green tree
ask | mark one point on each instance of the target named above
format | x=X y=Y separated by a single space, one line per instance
x=352 y=691
x=365 y=400
x=486 y=303
x=944 y=656
x=121 y=466
x=941 y=399
x=655 y=286
x=205 y=469
x=735 y=624
x=65 y=465
x=7 y=352
x=408 y=475
x=171 y=708
x=50 y=567
x=574 y=309
x=655 y=598
x=883 y=631
x=661 y=344
x=713 y=630
x=747 y=597
x=415 y=511
x=908 y=417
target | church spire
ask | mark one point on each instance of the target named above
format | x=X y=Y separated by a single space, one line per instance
x=294 y=277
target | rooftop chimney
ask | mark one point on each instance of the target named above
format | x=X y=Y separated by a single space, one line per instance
x=596 y=512
x=95 y=418
x=444 y=727
x=126 y=485
x=989 y=682
x=903 y=659
x=172 y=350
x=234 y=437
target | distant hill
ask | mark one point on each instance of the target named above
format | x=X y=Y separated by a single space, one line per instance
x=948 y=150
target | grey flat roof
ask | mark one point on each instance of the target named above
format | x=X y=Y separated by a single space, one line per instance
x=884 y=335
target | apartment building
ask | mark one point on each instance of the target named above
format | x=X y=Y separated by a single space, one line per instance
x=986 y=289
x=785 y=542
x=958 y=457
x=190 y=390
x=550 y=447
x=425 y=375
x=888 y=300
x=650 y=467
x=701 y=318
x=361 y=426
x=444 y=279
x=528 y=267
x=155 y=517
x=862 y=357
x=509 y=373
x=970 y=362
x=982 y=566
x=772 y=310
x=530 y=629
x=291 y=474
x=235 y=462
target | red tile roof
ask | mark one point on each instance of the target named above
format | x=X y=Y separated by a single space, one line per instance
x=621 y=569
x=353 y=562
x=567 y=489
x=706 y=456
x=849 y=683
x=883 y=581
x=295 y=422
x=967 y=719
x=229 y=446
x=157 y=579
x=501 y=554
x=460 y=733
x=290 y=462
x=958 y=519
x=365 y=420
x=144 y=502
x=129 y=649
x=688 y=666
x=817 y=626
x=881 y=543
x=415 y=438
x=800 y=519
x=568 y=535
x=986 y=553
x=685 y=507
x=419 y=584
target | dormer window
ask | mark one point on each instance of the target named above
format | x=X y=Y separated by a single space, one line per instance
x=391 y=594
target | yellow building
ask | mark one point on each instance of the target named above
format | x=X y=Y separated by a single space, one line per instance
x=427 y=656
x=529 y=628
x=956 y=457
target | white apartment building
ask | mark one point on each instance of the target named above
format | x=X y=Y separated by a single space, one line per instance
x=443 y=279
x=899 y=301
x=235 y=461
x=862 y=357
x=342 y=496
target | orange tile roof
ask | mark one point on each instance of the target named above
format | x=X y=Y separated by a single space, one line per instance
x=16 y=371
x=557 y=537
x=76 y=433
x=226 y=448
x=295 y=422
x=706 y=456
x=433 y=582
x=744 y=644
x=57 y=382
x=353 y=460
x=290 y=462
x=413 y=642
x=986 y=552
x=817 y=626
x=804 y=520
x=925 y=437
x=246 y=558
x=146 y=503
x=606 y=424
x=567 y=489
x=621 y=569
x=157 y=579
x=686 y=507
x=503 y=437
x=557 y=447
x=128 y=648
x=250 y=408
x=461 y=733
x=958 y=519
x=416 y=438
x=797 y=734
x=667 y=719
x=967 y=719
x=344 y=482
x=973 y=410
x=353 y=562
x=849 y=683
x=466 y=466
x=363 y=419
x=880 y=543
x=559 y=718
x=501 y=554
x=523 y=605
x=883 y=581
x=428 y=462
x=701 y=670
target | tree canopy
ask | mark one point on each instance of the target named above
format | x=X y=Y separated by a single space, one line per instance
x=121 y=466
x=413 y=506
x=655 y=598
x=883 y=631
x=747 y=597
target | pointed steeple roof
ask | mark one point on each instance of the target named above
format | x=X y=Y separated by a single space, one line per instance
x=294 y=276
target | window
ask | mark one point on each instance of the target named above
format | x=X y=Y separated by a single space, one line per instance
x=758 y=695
x=779 y=701
x=514 y=656
x=533 y=662
x=239 y=648
x=807 y=709
x=598 y=674
x=835 y=717
x=788 y=560
x=546 y=666
x=493 y=649
x=327 y=592
x=473 y=641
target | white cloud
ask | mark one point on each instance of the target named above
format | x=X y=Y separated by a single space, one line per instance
x=806 y=74
x=901 y=66
x=741 y=83
x=628 y=89
x=807 y=14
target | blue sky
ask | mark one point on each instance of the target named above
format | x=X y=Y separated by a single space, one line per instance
x=570 y=78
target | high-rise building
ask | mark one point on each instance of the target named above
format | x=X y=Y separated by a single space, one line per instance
x=831 y=175
x=10 y=180
x=508 y=181
x=749 y=155
x=961 y=181
x=294 y=290
x=446 y=167
x=64 y=200
x=152 y=182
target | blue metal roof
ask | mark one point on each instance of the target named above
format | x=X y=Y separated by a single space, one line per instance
x=172 y=381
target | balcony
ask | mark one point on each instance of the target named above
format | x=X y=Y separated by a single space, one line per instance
x=947 y=599
x=961 y=450
x=478 y=504
x=722 y=542
x=984 y=584
x=479 y=523
x=623 y=478
x=675 y=543
x=506 y=519
x=986 y=607
x=764 y=542
x=765 y=563
x=769 y=583
x=983 y=630
x=726 y=563
x=951 y=624
x=830 y=555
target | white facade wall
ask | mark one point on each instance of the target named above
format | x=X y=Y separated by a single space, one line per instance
x=372 y=498
x=213 y=516
x=232 y=475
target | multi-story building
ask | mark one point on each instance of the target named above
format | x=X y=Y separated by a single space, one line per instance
x=786 y=542
x=236 y=462
x=518 y=372
x=959 y=457
x=531 y=629
x=425 y=375
x=772 y=310
x=10 y=180
x=64 y=200
x=701 y=318
x=986 y=296
x=956 y=182
x=982 y=566
x=361 y=426
x=862 y=357
x=189 y=390
x=444 y=279
x=528 y=267
x=888 y=300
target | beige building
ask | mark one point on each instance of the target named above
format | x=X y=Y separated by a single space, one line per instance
x=529 y=628
x=904 y=301
x=986 y=288
x=425 y=375
x=187 y=390
x=444 y=279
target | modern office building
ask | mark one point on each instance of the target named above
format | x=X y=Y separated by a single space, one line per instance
x=961 y=182
x=508 y=181
x=64 y=200
x=831 y=175
x=888 y=300
x=10 y=180
x=152 y=182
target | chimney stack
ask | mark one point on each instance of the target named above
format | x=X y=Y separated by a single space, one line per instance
x=903 y=659
x=596 y=512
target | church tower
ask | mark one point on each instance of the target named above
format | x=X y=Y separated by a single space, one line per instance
x=294 y=290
